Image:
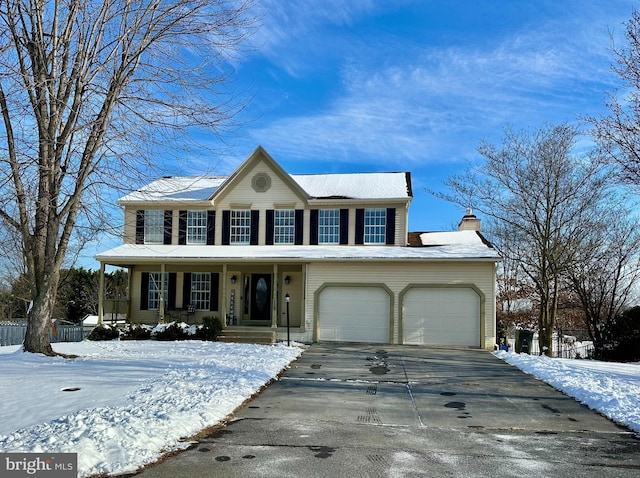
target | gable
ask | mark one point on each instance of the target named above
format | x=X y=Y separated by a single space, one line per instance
x=260 y=181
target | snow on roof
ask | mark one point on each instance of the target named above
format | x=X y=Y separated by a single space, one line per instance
x=174 y=253
x=177 y=188
x=450 y=238
x=351 y=186
x=355 y=185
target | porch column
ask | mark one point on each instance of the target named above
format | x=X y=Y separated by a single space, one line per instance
x=129 y=285
x=101 y=295
x=161 y=311
x=223 y=302
x=276 y=298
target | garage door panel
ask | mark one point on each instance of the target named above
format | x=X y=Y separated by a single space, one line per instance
x=354 y=314
x=441 y=316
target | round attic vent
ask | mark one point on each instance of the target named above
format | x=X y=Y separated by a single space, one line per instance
x=261 y=182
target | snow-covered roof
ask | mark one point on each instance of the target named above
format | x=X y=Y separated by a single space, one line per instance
x=173 y=253
x=348 y=186
x=449 y=238
x=177 y=188
x=355 y=185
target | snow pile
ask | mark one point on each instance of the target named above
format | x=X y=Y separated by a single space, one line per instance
x=122 y=404
x=612 y=389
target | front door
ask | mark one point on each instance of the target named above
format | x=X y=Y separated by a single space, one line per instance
x=261 y=297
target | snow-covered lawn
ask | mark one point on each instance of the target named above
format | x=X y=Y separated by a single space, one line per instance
x=130 y=401
x=613 y=389
x=126 y=402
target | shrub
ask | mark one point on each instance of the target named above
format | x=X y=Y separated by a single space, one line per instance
x=210 y=329
x=171 y=332
x=104 y=332
x=135 y=332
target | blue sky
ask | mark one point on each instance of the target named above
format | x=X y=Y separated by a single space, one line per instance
x=373 y=85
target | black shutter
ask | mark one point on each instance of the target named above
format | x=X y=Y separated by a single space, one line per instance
x=211 y=228
x=168 y=223
x=313 y=227
x=171 y=293
x=215 y=286
x=186 y=290
x=182 y=228
x=359 y=226
x=391 y=226
x=144 y=291
x=344 y=226
x=140 y=226
x=269 y=227
x=226 y=228
x=255 y=220
x=299 y=223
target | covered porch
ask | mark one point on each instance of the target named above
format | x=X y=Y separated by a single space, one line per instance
x=242 y=293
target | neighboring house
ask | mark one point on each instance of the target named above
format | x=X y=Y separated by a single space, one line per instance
x=336 y=244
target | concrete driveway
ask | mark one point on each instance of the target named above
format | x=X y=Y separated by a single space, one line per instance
x=358 y=410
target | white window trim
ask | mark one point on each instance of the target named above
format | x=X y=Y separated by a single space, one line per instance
x=201 y=278
x=329 y=233
x=154 y=292
x=240 y=227
x=199 y=230
x=375 y=233
x=153 y=233
x=284 y=226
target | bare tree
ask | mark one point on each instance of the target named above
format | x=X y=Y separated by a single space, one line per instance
x=536 y=188
x=618 y=133
x=605 y=272
x=91 y=94
x=516 y=307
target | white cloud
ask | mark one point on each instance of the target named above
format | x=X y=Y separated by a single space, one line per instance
x=428 y=103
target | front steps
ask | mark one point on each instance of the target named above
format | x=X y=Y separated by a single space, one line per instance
x=247 y=336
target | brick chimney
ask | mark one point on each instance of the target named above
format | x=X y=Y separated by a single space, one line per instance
x=469 y=222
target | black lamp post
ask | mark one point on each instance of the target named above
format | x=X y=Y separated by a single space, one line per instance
x=287 y=298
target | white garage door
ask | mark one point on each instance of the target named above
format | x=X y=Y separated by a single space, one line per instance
x=440 y=316
x=354 y=314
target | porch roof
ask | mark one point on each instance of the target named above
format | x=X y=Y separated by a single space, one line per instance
x=461 y=250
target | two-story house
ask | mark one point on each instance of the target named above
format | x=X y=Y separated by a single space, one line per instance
x=333 y=249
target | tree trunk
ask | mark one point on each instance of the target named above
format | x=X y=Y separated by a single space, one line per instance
x=38 y=335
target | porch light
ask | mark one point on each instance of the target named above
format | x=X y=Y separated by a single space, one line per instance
x=287 y=280
x=233 y=279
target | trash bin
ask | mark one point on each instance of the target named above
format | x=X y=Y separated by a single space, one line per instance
x=524 y=340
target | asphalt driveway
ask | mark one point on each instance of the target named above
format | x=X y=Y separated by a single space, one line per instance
x=358 y=410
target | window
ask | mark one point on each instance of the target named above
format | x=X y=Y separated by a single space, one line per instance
x=375 y=222
x=200 y=290
x=284 y=226
x=154 y=290
x=329 y=226
x=240 y=227
x=196 y=227
x=154 y=227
